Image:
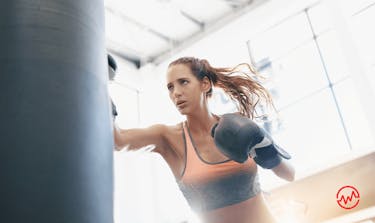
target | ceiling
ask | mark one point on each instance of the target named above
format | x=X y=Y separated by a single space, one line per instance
x=148 y=31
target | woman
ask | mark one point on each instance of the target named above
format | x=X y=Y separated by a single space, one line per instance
x=218 y=189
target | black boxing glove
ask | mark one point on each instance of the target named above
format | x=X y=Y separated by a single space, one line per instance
x=114 y=110
x=112 y=67
x=239 y=137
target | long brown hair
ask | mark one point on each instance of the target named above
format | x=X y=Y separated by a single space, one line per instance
x=244 y=90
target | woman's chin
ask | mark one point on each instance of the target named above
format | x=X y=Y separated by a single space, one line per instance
x=183 y=111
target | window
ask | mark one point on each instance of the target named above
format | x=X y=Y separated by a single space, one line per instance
x=313 y=89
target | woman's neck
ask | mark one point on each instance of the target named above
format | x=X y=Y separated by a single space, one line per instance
x=201 y=123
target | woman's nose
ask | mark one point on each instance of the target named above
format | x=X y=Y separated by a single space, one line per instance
x=177 y=92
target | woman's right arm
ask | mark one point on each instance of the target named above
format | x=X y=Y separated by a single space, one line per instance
x=137 y=138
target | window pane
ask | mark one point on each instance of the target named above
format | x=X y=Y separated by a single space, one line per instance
x=281 y=38
x=297 y=75
x=354 y=116
x=320 y=19
x=312 y=128
x=351 y=7
x=333 y=56
x=364 y=36
x=364 y=33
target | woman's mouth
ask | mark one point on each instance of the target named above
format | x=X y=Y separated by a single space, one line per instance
x=181 y=104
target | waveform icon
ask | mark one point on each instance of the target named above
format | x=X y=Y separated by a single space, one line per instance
x=348 y=197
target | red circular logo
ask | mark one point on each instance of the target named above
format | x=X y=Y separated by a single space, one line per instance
x=347 y=197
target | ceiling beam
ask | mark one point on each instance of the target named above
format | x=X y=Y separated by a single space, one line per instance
x=142 y=26
x=234 y=4
x=194 y=20
x=208 y=29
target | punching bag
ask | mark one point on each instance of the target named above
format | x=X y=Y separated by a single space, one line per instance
x=56 y=144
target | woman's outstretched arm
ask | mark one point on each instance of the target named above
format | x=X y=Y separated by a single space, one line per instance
x=137 y=138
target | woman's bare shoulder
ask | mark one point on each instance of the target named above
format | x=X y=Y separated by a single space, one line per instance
x=166 y=130
x=172 y=137
x=174 y=128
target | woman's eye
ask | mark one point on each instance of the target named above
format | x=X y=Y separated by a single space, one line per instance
x=170 y=88
x=184 y=82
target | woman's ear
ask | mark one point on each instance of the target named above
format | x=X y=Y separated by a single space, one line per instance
x=206 y=84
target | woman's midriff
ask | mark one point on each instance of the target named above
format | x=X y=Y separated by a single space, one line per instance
x=253 y=210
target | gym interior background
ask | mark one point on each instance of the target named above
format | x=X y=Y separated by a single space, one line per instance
x=55 y=155
x=319 y=59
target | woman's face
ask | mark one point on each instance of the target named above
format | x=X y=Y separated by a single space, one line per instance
x=185 y=90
